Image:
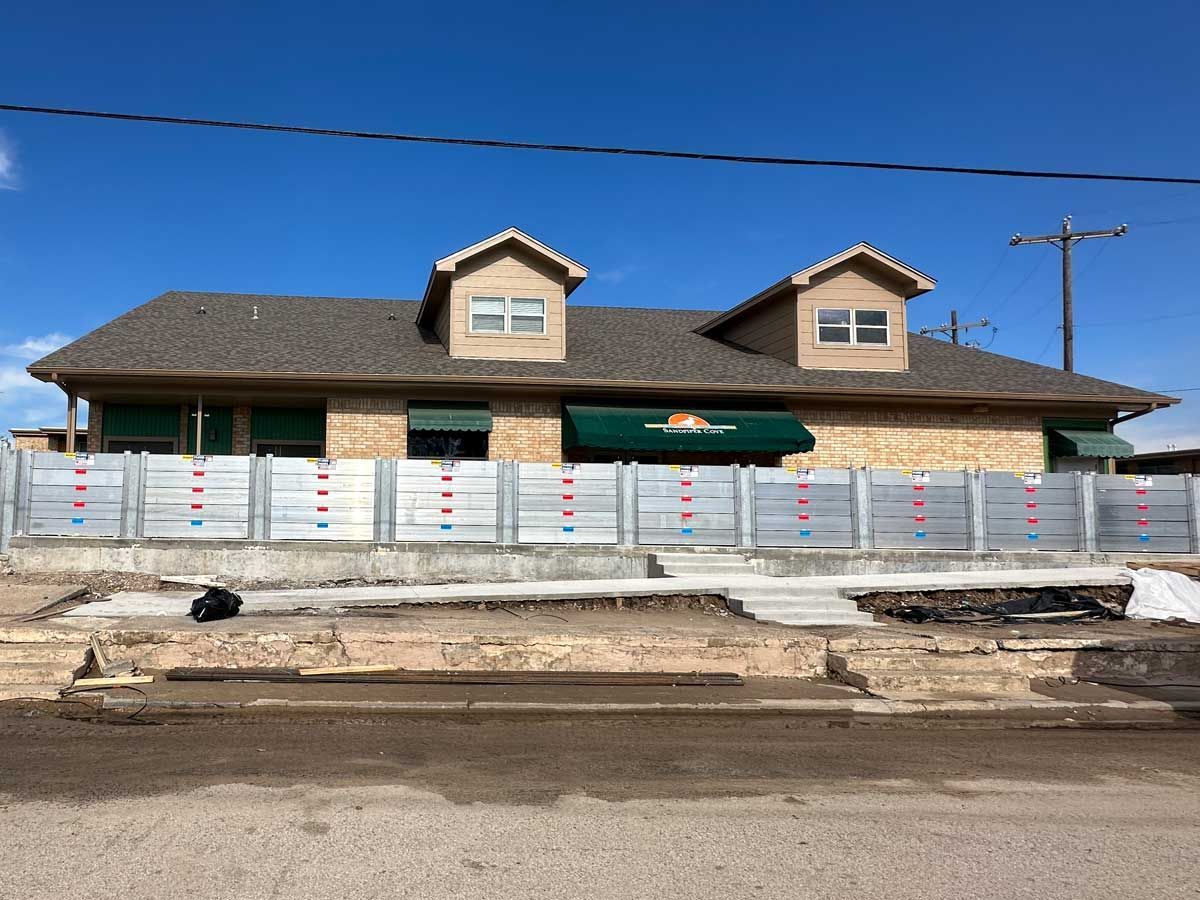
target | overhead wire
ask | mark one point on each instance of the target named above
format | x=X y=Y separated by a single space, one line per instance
x=595 y=149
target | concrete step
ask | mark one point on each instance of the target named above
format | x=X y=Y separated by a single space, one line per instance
x=801 y=600
x=61 y=674
x=914 y=682
x=677 y=570
x=72 y=654
x=27 y=691
x=819 y=617
x=923 y=661
x=702 y=559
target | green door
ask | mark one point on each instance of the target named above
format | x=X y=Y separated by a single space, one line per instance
x=217 y=432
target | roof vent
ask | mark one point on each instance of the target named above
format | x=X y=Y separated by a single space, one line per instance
x=391 y=317
x=254 y=317
x=202 y=311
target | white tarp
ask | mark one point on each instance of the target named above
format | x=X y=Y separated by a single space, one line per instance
x=1159 y=594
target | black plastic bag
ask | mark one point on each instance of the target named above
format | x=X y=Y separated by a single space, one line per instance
x=217 y=603
x=1053 y=606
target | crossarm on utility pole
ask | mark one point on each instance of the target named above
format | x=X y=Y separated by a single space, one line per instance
x=1064 y=241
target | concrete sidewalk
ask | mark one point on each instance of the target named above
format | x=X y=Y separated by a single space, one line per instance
x=835 y=587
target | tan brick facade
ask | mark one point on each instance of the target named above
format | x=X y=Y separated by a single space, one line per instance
x=95 y=424
x=526 y=430
x=366 y=427
x=893 y=437
x=241 y=430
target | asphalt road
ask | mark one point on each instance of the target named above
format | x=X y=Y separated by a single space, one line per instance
x=393 y=807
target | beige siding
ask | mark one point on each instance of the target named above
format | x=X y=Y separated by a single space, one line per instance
x=509 y=272
x=769 y=328
x=852 y=286
x=441 y=324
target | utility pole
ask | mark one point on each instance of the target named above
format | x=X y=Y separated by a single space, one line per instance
x=953 y=328
x=1064 y=242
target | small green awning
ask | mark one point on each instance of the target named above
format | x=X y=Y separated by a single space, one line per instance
x=1072 y=442
x=686 y=428
x=449 y=415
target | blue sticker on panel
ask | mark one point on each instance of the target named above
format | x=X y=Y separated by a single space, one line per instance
x=322 y=524
x=446 y=527
x=685 y=531
x=919 y=534
x=805 y=532
x=197 y=522
x=1033 y=535
x=1143 y=537
x=77 y=521
x=568 y=528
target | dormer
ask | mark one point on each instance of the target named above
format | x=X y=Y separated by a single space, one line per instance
x=501 y=298
x=844 y=312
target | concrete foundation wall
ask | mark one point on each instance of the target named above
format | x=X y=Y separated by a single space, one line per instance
x=309 y=561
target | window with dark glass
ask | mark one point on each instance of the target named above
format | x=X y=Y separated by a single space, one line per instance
x=447 y=444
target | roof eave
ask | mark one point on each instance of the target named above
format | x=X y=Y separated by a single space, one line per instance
x=1121 y=400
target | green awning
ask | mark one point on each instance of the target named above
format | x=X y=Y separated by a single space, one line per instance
x=1071 y=442
x=685 y=428
x=449 y=415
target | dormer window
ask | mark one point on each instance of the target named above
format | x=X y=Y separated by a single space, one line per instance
x=852 y=327
x=508 y=315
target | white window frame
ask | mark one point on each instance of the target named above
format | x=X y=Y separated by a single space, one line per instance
x=508 y=301
x=853 y=326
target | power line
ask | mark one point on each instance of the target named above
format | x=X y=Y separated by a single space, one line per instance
x=991 y=275
x=580 y=148
x=1024 y=281
x=1125 y=322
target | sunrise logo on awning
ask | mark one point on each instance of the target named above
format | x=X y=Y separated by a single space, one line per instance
x=689 y=423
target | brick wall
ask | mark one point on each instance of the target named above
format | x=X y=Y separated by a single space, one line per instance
x=526 y=430
x=95 y=426
x=241 y=430
x=366 y=427
x=890 y=438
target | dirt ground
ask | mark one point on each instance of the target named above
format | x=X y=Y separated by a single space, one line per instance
x=1115 y=595
x=535 y=762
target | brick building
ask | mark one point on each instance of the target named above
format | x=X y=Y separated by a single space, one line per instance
x=818 y=369
x=47 y=437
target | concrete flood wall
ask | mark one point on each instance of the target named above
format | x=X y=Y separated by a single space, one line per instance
x=310 y=561
x=503 y=503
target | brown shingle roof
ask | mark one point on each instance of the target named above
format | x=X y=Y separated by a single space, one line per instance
x=357 y=337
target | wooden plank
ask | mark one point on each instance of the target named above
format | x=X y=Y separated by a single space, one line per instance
x=413 y=676
x=115 y=681
x=346 y=670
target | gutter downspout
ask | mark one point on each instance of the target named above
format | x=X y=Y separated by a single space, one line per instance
x=1118 y=420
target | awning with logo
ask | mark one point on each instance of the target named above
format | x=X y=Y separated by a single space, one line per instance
x=1072 y=442
x=449 y=415
x=687 y=428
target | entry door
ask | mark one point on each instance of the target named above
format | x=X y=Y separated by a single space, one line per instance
x=1078 y=464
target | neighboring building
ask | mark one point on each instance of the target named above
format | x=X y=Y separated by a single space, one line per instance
x=47 y=437
x=818 y=369
x=1167 y=462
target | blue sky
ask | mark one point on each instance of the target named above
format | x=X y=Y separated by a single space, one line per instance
x=96 y=217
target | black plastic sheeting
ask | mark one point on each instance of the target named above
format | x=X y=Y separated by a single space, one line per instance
x=1053 y=606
